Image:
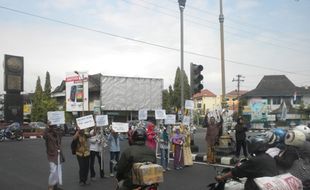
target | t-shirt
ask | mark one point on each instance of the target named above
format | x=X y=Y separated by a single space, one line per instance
x=259 y=166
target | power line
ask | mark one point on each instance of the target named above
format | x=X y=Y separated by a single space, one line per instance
x=141 y=41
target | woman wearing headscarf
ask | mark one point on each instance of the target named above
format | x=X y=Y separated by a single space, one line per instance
x=178 y=141
x=164 y=148
x=151 y=136
x=187 y=153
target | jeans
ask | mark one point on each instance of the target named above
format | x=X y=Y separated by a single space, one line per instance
x=164 y=158
x=113 y=156
x=93 y=155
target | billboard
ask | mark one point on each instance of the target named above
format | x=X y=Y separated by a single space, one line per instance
x=258 y=110
x=130 y=93
x=77 y=91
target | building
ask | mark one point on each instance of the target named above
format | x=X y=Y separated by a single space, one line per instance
x=277 y=99
x=206 y=100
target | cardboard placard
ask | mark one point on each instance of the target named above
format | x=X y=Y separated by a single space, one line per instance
x=85 y=122
x=142 y=115
x=170 y=119
x=189 y=104
x=186 y=120
x=120 y=127
x=102 y=120
x=56 y=117
x=160 y=114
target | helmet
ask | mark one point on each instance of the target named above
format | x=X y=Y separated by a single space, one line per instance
x=257 y=144
x=276 y=136
x=305 y=130
x=139 y=134
x=295 y=138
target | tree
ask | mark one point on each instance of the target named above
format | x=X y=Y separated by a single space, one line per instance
x=177 y=88
x=47 y=86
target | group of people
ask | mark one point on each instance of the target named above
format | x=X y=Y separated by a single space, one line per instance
x=89 y=145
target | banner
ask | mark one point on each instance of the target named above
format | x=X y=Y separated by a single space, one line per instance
x=258 y=110
x=77 y=91
x=170 y=119
x=160 y=114
x=85 y=122
x=56 y=117
x=120 y=127
x=142 y=115
x=102 y=120
x=189 y=104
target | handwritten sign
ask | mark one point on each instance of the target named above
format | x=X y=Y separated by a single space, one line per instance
x=186 y=120
x=102 y=120
x=85 y=122
x=170 y=119
x=189 y=104
x=120 y=127
x=56 y=117
x=142 y=115
x=160 y=114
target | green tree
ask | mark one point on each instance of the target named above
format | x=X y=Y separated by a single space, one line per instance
x=177 y=88
x=47 y=86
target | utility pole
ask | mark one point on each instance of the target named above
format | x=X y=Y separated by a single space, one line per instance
x=238 y=80
x=221 y=20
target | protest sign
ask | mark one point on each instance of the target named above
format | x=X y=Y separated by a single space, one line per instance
x=85 y=122
x=170 y=119
x=120 y=127
x=142 y=115
x=189 y=104
x=160 y=114
x=56 y=117
x=102 y=120
x=186 y=120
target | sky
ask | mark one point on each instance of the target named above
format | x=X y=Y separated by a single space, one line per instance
x=141 y=38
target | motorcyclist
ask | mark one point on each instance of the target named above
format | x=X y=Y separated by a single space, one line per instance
x=138 y=152
x=259 y=165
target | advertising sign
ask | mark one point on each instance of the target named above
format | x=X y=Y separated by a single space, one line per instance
x=85 y=122
x=258 y=110
x=56 y=117
x=120 y=127
x=170 y=119
x=102 y=120
x=189 y=104
x=142 y=115
x=160 y=114
x=77 y=91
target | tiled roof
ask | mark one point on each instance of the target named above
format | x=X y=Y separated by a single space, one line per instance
x=235 y=93
x=204 y=93
x=273 y=85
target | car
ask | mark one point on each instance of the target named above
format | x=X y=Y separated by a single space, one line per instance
x=68 y=129
x=37 y=125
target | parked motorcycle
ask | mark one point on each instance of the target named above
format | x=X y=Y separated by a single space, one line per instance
x=13 y=132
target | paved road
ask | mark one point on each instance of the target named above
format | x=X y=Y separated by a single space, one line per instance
x=24 y=166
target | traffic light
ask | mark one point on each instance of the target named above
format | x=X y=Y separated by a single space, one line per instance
x=196 y=78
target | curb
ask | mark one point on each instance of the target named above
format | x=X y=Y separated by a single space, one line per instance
x=30 y=135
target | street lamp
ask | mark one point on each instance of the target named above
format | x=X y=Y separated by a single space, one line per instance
x=81 y=78
x=182 y=6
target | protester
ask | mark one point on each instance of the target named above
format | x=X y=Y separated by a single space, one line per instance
x=114 y=142
x=164 y=148
x=82 y=155
x=241 y=138
x=129 y=135
x=178 y=141
x=52 y=138
x=138 y=152
x=212 y=135
x=151 y=136
x=187 y=153
x=260 y=165
x=96 y=147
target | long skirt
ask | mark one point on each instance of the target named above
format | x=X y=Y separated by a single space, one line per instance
x=211 y=155
x=178 y=156
x=188 y=160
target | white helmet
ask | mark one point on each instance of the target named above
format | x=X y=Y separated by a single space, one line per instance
x=295 y=138
x=305 y=130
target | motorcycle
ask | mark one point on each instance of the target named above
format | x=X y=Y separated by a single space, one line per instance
x=12 y=132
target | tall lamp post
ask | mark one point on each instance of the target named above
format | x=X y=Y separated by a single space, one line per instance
x=81 y=78
x=221 y=20
x=182 y=6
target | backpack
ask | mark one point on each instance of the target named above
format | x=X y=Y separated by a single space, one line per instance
x=74 y=145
